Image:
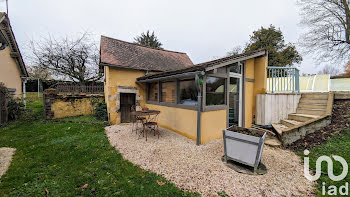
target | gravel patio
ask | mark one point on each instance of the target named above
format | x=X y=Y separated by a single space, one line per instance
x=200 y=169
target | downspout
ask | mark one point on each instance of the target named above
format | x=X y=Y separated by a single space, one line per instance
x=199 y=104
x=24 y=81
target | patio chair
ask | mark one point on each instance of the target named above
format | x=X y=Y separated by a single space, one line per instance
x=152 y=124
x=136 y=120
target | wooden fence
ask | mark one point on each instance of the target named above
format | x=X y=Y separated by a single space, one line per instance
x=76 y=89
x=272 y=108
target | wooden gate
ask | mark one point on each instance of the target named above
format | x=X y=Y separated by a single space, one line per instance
x=3 y=106
x=127 y=100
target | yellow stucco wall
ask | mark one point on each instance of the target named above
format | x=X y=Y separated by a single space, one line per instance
x=260 y=65
x=115 y=77
x=256 y=70
x=212 y=124
x=9 y=72
x=182 y=121
x=73 y=107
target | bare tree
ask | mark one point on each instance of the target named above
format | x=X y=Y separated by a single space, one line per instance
x=328 y=24
x=235 y=51
x=36 y=72
x=328 y=69
x=76 y=59
x=347 y=67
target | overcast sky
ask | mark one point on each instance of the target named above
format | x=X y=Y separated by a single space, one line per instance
x=204 y=29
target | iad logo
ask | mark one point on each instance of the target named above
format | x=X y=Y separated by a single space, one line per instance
x=332 y=190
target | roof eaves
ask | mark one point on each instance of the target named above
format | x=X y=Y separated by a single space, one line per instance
x=14 y=46
x=207 y=66
x=233 y=60
x=131 y=68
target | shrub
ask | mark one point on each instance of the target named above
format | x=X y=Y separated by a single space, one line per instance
x=101 y=111
x=15 y=108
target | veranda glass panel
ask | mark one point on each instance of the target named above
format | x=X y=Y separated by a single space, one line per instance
x=188 y=92
x=235 y=68
x=168 y=92
x=215 y=91
x=153 y=91
x=234 y=101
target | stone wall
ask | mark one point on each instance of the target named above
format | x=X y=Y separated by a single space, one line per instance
x=60 y=106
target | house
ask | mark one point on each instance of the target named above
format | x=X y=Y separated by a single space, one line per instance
x=196 y=101
x=13 y=71
x=122 y=63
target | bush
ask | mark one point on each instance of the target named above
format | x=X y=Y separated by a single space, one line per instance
x=101 y=111
x=15 y=108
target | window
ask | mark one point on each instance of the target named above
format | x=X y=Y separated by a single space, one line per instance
x=188 y=92
x=215 y=91
x=236 y=68
x=153 y=91
x=168 y=92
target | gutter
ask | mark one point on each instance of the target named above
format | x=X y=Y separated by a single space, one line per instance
x=172 y=76
x=124 y=67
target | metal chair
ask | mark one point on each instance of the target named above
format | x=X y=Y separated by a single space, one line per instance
x=152 y=124
x=136 y=120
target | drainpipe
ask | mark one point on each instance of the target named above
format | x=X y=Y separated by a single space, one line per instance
x=24 y=81
x=199 y=104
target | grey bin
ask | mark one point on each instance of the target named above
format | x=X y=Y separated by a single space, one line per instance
x=242 y=148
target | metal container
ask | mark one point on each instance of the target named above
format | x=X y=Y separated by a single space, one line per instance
x=244 y=145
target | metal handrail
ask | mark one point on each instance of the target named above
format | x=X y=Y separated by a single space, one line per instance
x=282 y=79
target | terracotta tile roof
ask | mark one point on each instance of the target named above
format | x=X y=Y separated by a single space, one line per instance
x=203 y=66
x=133 y=56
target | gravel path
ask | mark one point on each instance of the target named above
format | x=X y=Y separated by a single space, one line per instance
x=200 y=169
x=5 y=159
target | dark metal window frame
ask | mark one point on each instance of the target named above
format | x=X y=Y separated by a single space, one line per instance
x=215 y=107
x=204 y=107
x=177 y=99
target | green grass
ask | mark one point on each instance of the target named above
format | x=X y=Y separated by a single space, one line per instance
x=61 y=158
x=87 y=118
x=339 y=145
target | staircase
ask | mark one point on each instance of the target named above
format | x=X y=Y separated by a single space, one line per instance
x=313 y=112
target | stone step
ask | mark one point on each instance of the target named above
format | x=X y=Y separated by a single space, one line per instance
x=314 y=101
x=301 y=117
x=320 y=96
x=279 y=128
x=311 y=111
x=322 y=106
x=290 y=123
x=273 y=141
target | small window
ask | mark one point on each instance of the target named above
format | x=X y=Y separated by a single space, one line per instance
x=215 y=91
x=236 y=68
x=168 y=92
x=188 y=92
x=153 y=91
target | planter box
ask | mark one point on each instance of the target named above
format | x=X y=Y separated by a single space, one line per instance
x=244 y=145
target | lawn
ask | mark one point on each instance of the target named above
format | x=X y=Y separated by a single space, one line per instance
x=71 y=159
x=338 y=145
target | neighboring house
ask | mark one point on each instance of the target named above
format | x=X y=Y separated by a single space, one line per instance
x=168 y=81
x=12 y=69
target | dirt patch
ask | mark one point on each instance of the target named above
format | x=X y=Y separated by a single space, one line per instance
x=340 y=121
x=5 y=159
x=200 y=169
